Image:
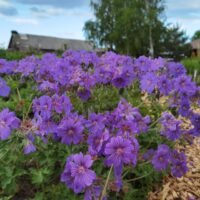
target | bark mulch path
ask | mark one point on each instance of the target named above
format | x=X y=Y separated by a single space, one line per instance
x=186 y=187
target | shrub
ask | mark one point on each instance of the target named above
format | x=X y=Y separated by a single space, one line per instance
x=102 y=126
x=193 y=68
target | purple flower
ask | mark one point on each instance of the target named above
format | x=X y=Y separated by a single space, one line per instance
x=148 y=154
x=93 y=193
x=119 y=151
x=4 y=89
x=45 y=126
x=161 y=157
x=170 y=126
x=8 y=122
x=97 y=140
x=175 y=69
x=77 y=174
x=195 y=119
x=184 y=108
x=149 y=82
x=84 y=94
x=127 y=128
x=27 y=65
x=141 y=122
x=95 y=123
x=157 y=64
x=47 y=86
x=3 y=68
x=178 y=169
x=29 y=148
x=70 y=130
x=164 y=85
x=120 y=81
x=184 y=85
x=122 y=78
x=43 y=107
x=61 y=104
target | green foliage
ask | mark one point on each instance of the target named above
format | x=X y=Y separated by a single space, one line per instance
x=196 y=35
x=22 y=94
x=12 y=55
x=193 y=68
x=35 y=176
x=135 y=28
x=124 y=26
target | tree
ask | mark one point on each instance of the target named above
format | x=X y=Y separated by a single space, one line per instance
x=135 y=28
x=126 y=26
x=196 y=35
x=174 y=43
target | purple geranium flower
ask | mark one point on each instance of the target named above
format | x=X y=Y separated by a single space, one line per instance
x=83 y=93
x=95 y=123
x=127 y=128
x=195 y=119
x=170 y=126
x=164 y=85
x=119 y=151
x=29 y=148
x=8 y=122
x=161 y=157
x=4 y=89
x=148 y=154
x=184 y=85
x=149 y=82
x=97 y=140
x=61 y=104
x=93 y=193
x=47 y=86
x=122 y=79
x=43 y=107
x=27 y=65
x=175 y=69
x=77 y=174
x=178 y=163
x=184 y=108
x=70 y=129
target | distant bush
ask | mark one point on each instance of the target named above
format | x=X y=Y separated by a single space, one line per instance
x=193 y=68
x=12 y=55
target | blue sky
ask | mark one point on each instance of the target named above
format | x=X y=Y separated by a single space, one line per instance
x=66 y=18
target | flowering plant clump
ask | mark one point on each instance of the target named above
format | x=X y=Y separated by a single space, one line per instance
x=112 y=113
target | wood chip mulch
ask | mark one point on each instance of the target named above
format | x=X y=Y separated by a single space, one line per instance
x=186 y=187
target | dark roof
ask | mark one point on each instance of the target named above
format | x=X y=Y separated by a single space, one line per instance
x=28 y=41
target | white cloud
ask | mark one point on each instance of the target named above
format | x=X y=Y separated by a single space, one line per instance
x=7 y=9
x=4 y=3
x=190 y=26
x=182 y=4
x=47 y=12
x=19 y=20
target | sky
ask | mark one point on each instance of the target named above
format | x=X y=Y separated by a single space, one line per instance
x=66 y=18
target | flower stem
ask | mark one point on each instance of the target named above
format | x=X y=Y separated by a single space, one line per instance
x=106 y=184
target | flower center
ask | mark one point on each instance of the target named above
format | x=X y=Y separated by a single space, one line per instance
x=2 y=123
x=81 y=170
x=70 y=132
x=97 y=141
x=120 y=151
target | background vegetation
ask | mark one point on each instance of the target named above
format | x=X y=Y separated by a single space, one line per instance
x=136 y=28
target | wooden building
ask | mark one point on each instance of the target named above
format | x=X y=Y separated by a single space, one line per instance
x=195 y=45
x=29 y=42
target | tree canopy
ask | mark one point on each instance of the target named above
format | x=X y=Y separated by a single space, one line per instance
x=196 y=35
x=131 y=27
